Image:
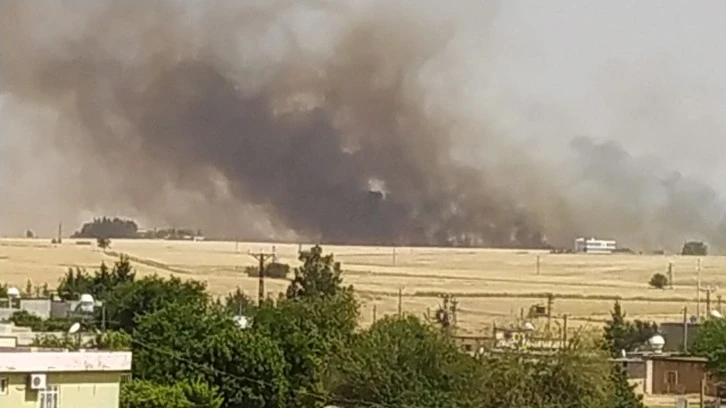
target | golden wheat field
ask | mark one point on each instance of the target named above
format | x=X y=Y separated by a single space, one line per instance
x=492 y=285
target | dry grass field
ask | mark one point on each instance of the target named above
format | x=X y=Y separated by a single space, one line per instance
x=492 y=285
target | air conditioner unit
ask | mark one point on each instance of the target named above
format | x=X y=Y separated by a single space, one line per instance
x=37 y=381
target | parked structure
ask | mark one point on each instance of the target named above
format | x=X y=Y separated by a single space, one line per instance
x=31 y=378
x=595 y=246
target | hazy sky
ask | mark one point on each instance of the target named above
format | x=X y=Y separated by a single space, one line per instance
x=648 y=75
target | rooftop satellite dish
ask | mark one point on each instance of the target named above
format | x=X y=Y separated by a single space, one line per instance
x=656 y=343
x=13 y=293
x=74 y=328
x=715 y=314
x=529 y=326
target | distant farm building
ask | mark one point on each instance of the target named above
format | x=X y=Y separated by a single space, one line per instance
x=595 y=246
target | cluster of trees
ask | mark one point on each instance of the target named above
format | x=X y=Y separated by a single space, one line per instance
x=306 y=350
x=695 y=248
x=108 y=228
x=120 y=228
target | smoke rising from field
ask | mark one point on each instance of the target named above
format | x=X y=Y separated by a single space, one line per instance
x=337 y=121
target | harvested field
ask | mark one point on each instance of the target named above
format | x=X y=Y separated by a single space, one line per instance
x=492 y=285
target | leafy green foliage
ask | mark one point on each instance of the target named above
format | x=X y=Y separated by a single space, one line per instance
x=624 y=393
x=404 y=362
x=658 y=281
x=238 y=302
x=695 y=248
x=100 y=284
x=319 y=275
x=273 y=270
x=621 y=334
x=112 y=340
x=311 y=332
x=184 y=341
x=145 y=394
x=711 y=343
x=147 y=295
x=108 y=228
x=22 y=318
x=64 y=341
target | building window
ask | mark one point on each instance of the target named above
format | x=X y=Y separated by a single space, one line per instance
x=49 y=397
x=4 y=386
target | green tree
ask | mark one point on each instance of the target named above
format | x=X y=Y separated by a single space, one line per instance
x=711 y=343
x=112 y=340
x=311 y=332
x=103 y=242
x=77 y=282
x=319 y=275
x=658 y=281
x=145 y=394
x=624 y=393
x=147 y=295
x=184 y=341
x=694 y=248
x=238 y=302
x=401 y=361
x=621 y=334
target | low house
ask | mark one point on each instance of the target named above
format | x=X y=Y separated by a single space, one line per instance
x=674 y=374
x=31 y=378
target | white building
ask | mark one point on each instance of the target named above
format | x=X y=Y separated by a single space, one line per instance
x=594 y=246
x=31 y=378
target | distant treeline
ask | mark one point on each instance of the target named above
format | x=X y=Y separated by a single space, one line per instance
x=119 y=228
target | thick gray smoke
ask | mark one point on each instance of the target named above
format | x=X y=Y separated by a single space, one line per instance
x=338 y=121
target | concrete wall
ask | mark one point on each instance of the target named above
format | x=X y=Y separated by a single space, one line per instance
x=97 y=390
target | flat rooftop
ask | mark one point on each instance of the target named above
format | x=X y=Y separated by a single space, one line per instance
x=32 y=360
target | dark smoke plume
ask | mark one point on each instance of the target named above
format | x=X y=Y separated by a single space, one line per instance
x=406 y=122
x=337 y=143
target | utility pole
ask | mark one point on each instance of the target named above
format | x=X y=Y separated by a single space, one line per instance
x=374 y=313
x=698 y=290
x=564 y=330
x=670 y=274
x=261 y=258
x=400 y=298
x=685 y=329
x=60 y=233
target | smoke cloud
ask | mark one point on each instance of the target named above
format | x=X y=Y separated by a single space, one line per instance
x=355 y=122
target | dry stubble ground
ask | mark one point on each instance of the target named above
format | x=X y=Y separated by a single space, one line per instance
x=492 y=285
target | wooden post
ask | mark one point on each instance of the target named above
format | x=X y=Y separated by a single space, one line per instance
x=374 y=313
x=550 y=301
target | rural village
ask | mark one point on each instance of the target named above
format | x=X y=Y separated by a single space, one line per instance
x=362 y=204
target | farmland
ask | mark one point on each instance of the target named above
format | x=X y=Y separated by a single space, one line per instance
x=491 y=285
